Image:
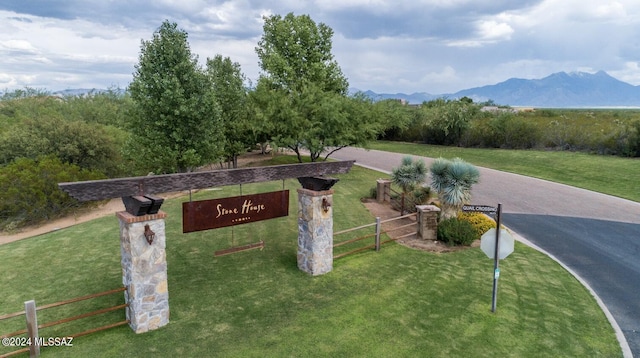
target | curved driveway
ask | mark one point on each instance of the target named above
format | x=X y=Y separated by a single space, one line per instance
x=596 y=236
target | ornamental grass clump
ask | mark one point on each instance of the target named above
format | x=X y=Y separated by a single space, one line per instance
x=452 y=180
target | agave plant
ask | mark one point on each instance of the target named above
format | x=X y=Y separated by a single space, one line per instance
x=452 y=180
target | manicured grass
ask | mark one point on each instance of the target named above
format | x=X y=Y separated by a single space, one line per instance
x=398 y=302
x=605 y=174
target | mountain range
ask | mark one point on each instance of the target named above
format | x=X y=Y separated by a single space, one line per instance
x=558 y=90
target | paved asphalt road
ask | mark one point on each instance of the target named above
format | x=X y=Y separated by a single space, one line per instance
x=596 y=236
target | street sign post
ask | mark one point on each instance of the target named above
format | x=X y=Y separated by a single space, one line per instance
x=496 y=261
x=491 y=244
x=486 y=209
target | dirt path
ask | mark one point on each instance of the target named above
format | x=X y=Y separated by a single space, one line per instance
x=107 y=209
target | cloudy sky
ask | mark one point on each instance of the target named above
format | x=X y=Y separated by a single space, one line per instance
x=434 y=46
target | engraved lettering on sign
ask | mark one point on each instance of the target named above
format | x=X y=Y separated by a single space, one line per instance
x=215 y=213
x=248 y=207
x=223 y=211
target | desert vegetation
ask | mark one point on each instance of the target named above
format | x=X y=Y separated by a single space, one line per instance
x=477 y=125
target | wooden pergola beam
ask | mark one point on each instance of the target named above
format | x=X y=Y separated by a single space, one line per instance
x=156 y=184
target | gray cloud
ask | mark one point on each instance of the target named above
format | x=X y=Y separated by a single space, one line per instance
x=435 y=46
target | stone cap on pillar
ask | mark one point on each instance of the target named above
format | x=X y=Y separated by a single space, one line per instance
x=314 y=193
x=317 y=183
x=427 y=208
x=130 y=218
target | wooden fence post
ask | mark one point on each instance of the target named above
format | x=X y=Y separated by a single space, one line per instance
x=32 y=328
x=378 y=229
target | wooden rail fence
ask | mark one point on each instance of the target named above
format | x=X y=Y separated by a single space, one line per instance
x=33 y=338
x=401 y=200
x=378 y=232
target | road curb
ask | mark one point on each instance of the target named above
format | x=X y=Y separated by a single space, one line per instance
x=624 y=345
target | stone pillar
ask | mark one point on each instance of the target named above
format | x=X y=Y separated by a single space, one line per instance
x=428 y=222
x=144 y=270
x=383 y=190
x=315 y=231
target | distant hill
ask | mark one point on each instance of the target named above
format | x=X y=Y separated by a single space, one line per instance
x=559 y=90
x=77 y=92
x=410 y=98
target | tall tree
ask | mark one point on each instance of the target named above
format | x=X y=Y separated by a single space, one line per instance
x=295 y=51
x=176 y=124
x=301 y=75
x=447 y=120
x=228 y=84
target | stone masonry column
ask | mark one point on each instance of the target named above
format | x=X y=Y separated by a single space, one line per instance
x=315 y=231
x=144 y=270
x=428 y=222
x=383 y=190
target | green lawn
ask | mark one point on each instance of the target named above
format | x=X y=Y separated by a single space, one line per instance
x=398 y=302
x=605 y=174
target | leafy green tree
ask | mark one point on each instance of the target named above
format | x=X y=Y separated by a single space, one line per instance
x=408 y=175
x=452 y=180
x=295 y=51
x=92 y=147
x=303 y=92
x=29 y=190
x=19 y=105
x=108 y=107
x=265 y=106
x=228 y=81
x=446 y=120
x=395 y=117
x=175 y=122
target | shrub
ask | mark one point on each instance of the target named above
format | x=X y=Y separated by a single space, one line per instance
x=29 y=190
x=454 y=231
x=373 y=192
x=480 y=222
x=89 y=146
x=420 y=195
x=511 y=131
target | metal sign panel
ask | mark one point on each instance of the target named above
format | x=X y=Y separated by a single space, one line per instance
x=505 y=246
x=480 y=209
x=217 y=213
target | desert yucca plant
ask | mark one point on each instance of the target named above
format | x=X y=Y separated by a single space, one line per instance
x=408 y=175
x=452 y=180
